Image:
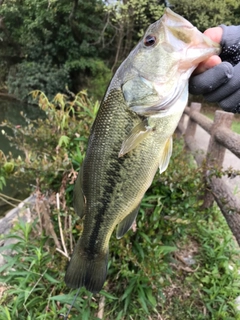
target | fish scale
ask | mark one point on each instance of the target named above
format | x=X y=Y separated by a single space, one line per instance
x=130 y=138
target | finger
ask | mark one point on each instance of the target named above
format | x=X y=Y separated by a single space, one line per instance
x=231 y=103
x=231 y=36
x=211 y=79
x=215 y=34
x=223 y=91
x=207 y=64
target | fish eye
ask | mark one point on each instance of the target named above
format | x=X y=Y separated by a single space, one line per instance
x=150 y=40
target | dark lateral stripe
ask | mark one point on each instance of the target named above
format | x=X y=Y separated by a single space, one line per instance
x=113 y=175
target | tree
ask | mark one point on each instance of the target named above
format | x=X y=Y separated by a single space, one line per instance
x=205 y=14
x=47 y=45
x=128 y=20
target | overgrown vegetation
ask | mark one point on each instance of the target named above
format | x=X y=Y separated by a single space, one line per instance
x=178 y=262
x=48 y=45
x=205 y=14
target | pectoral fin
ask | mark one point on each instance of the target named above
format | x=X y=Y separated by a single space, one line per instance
x=137 y=135
x=126 y=223
x=166 y=155
x=79 y=200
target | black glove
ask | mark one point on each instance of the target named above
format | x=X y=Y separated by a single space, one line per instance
x=222 y=83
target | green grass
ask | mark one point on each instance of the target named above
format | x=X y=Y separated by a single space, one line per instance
x=147 y=276
x=213 y=285
x=236 y=126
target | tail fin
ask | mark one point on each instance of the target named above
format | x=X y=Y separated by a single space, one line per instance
x=86 y=271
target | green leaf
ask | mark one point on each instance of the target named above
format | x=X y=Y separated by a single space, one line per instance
x=5 y=312
x=129 y=289
x=108 y=295
x=51 y=279
x=167 y=249
x=139 y=249
x=151 y=298
x=64 y=140
x=142 y=298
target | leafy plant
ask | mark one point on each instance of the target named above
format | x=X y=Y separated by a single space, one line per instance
x=149 y=274
x=48 y=45
x=27 y=76
x=53 y=146
x=204 y=14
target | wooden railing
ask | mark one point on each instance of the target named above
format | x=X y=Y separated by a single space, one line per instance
x=221 y=138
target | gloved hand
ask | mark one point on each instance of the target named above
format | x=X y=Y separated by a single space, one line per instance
x=222 y=83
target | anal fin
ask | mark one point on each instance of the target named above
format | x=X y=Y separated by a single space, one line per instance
x=126 y=223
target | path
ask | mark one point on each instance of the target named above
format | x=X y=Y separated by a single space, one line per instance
x=230 y=160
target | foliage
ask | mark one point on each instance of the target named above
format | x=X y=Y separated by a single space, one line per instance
x=37 y=269
x=205 y=14
x=33 y=75
x=6 y=169
x=2 y=179
x=128 y=20
x=53 y=145
x=51 y=44
x=146 y=276
x=214 y=282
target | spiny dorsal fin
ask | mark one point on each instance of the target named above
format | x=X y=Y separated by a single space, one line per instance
x=79 y=200
x=126 y=223
x=166 y=155
x=137 y=135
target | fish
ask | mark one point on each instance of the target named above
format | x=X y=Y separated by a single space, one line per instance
x=131 y=138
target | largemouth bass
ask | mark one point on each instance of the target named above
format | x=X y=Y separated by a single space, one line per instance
x=131 y=138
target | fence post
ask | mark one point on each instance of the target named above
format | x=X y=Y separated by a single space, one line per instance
x=215 y=152
x=228 y=203
x=192 y=125
x=180 y=128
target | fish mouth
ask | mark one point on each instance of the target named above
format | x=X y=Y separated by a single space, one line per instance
x=163 y=105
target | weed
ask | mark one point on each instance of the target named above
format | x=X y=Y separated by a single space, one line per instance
x=148 y=274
